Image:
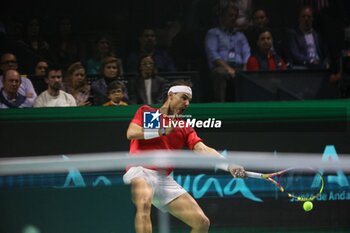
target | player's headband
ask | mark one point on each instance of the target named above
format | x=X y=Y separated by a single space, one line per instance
x=180 y=88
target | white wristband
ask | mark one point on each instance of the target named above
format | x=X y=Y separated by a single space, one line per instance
x=150 y=134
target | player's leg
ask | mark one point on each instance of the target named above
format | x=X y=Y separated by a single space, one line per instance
x=187 y=210
x=142 y=198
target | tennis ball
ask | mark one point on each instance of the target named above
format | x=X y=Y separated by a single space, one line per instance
x=307 y=206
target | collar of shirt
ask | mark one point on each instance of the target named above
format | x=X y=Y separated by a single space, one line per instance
x=9 y=98
x=230 y=31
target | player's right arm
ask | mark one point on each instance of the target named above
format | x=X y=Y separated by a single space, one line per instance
x=137 y=132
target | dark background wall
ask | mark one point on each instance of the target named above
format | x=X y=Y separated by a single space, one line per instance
x=72 y=138
x=122 y=19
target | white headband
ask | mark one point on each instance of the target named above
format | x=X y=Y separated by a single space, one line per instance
x=180 y=88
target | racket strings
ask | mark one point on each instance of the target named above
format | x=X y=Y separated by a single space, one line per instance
x=302 y=185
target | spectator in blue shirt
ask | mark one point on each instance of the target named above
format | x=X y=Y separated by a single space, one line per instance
x=8 y=61
x=227 y=51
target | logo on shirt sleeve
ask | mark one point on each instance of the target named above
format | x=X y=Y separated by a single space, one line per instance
x=151 y=120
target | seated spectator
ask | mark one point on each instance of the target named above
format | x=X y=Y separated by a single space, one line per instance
x=38 y=79
x=305 y=48
x=54 y=96
x=116 y=93
x=265 y=57
x=147 y=87
x=9 y=93
x=41 y=68
x=76 y=84
x=148 y=45
x=103 y=48
x=244 y=8
x=259 y=20
x=227 y=51
x=65 y=49
x=34 y=42
x=9 y=61
x=110 y=71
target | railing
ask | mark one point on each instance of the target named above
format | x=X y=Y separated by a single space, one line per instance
x=192 y=76
x=285 y=85
x=262 y=85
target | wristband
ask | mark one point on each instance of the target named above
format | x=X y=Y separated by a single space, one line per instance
x=150 y=134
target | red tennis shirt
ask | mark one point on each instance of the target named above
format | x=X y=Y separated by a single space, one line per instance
x=177 y=139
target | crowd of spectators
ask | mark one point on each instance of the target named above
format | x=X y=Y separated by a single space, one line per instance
x=238 y=36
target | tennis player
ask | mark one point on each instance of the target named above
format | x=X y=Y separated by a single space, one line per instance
x=147 y=185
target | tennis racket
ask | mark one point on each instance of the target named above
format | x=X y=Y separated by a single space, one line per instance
x=304 y=184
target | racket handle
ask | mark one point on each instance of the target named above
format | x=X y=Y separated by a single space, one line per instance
x=254 y=175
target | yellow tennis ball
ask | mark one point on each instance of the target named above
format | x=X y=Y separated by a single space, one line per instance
x=308 y=206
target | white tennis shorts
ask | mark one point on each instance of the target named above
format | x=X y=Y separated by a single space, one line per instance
x=165 y=188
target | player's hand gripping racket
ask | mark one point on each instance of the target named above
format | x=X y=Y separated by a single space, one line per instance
x=301 y=184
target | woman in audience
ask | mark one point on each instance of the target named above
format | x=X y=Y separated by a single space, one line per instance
x=147 y=87
x=34 y=45
x=65 y=45
x=103 y=48
x=111 y=70
x=76 y=84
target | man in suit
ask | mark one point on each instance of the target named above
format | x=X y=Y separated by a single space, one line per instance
x=305 y=47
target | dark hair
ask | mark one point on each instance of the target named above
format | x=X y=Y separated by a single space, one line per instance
x=224 y=6
x=263 y=30
x=141 y=57
x=181 y=82
x=145 y=28
x=103 y=35
x=115 y=85
x=37 y=62
x=256 y=10
x=302 y=8
x=97 y=39
x=53 y=67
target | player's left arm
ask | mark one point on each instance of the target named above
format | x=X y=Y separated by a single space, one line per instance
x=234 y=169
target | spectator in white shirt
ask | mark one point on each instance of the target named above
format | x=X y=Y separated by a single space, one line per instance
x=54 y=96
